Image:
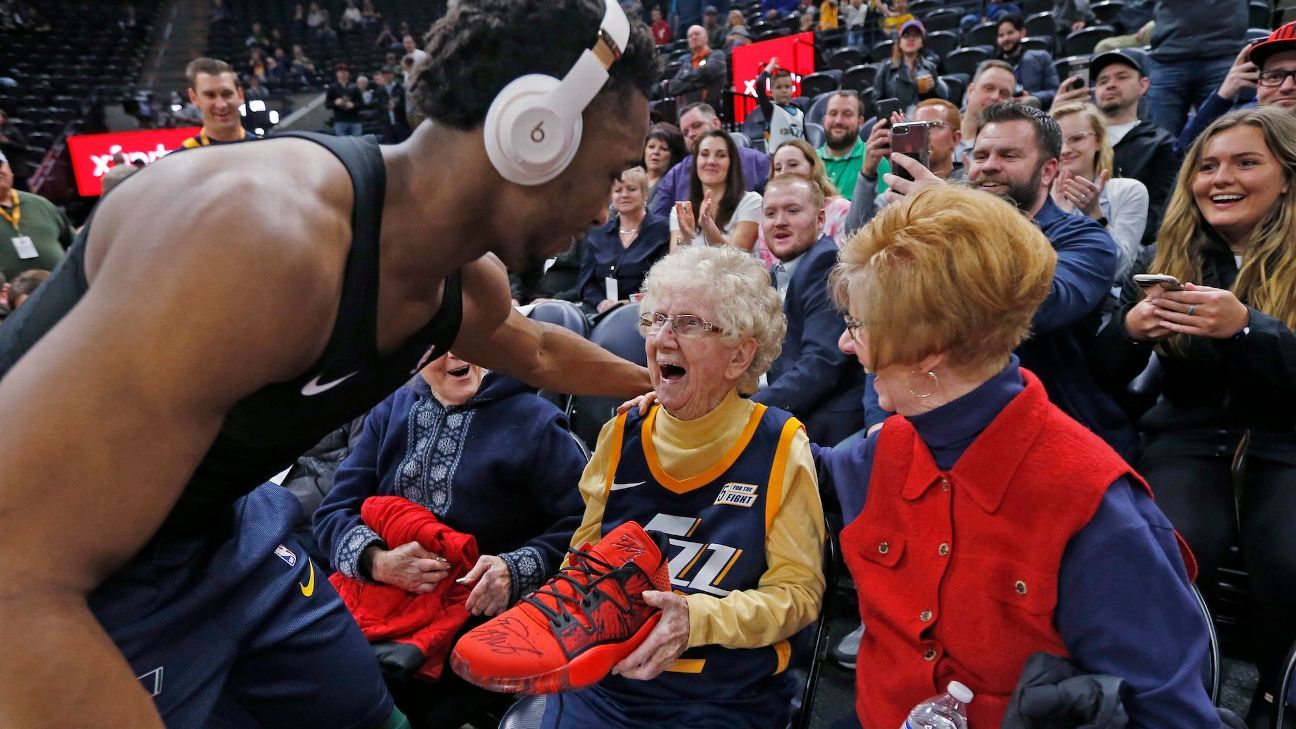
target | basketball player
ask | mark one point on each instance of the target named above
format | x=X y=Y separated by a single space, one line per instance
x=227 y=307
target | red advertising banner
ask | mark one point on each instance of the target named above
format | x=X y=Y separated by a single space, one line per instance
x=794 y=52
x=92 y=154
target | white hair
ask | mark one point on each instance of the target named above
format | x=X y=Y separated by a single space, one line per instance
x=743 y=301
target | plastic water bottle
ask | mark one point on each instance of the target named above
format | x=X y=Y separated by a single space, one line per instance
x=942 y=712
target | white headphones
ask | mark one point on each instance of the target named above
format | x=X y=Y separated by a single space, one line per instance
x=533 y=127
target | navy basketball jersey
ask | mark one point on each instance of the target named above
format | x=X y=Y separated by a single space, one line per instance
x=717 y=522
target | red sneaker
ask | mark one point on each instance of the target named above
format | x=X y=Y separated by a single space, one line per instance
x=571 y=632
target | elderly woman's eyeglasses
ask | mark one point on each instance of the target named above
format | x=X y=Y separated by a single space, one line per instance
x=684 y=325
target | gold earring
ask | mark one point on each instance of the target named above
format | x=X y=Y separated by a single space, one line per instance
x=935 y=385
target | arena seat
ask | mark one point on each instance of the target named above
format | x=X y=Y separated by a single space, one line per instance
x=1041 y=25
x=845 y=58
x=942 y=19
x=859 y=77
x=965 y=60
x=618 y=333
x=1106 y=12
x=984 y=34
x=814 y=134
x=1282 y=702
x=881 y=50
x=1082 y=41
x=821 y=82
x=941 y=42
x=568 y=316
x=1213 y=678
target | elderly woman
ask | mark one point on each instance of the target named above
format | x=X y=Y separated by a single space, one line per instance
x=730 y=487
x=485 y=456
x=983 y=525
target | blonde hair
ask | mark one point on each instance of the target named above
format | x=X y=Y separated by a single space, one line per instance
x=1267 y=278
x=818 y=171
x=953 y=117
x=744 y=304
x=1104 y=158
x=636 y=176
x=785 y=179
x=950 y=270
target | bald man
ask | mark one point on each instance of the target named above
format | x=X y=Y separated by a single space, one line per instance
x=702 y=79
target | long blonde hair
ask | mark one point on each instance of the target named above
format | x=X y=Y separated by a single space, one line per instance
x=818 y=171
x=1267 y=278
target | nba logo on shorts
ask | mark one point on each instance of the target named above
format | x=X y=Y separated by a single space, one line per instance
x=286 y=555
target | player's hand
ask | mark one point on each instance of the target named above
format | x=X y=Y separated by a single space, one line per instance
x=923 y=178
x=409 y=567
x=664 y=644
x=1241 y=76
x=1202 y=311
x=643 y=403
x=491 y=593
x=687 y=221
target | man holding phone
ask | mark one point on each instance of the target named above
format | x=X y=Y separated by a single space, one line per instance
x=1016 y=156
x=1266 y=69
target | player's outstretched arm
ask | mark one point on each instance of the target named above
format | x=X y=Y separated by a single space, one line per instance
x=104 y=420
x=494 y=335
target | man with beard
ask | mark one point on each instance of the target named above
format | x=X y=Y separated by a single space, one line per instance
x=1015 y=156
x=695 y=120
x=843 y=150
x=1144 y=151
x=1033 y=68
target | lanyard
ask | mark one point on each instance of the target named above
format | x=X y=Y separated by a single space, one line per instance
x=16 y=218
x=202 y=135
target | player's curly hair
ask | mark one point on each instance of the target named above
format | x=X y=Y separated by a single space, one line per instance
x=482 y=45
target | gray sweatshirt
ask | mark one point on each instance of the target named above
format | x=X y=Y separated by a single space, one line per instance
x=1196 y=29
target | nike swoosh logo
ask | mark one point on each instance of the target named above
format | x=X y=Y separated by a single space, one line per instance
x=315 y=387
x=619 y=486
x=308 y=589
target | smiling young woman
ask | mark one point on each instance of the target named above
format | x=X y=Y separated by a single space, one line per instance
x=1226 y=347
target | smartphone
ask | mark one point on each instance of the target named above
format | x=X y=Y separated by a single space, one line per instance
x=1165 y=281
x=911 y=139
x=1080 y=69
x=887 y=107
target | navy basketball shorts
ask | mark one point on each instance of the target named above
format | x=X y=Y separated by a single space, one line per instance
x=244 y=630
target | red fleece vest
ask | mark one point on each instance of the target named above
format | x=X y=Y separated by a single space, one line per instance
x=957 y=570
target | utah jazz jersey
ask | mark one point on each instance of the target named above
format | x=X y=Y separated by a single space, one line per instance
x=717 y=522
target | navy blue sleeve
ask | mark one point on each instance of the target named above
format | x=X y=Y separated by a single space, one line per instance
x=873 y=412
x=554 y=490
x=1049 y=84
x=845 y=470
x=1214 y=107
x=338 y=528
x=1125 y=608
x=589 y=285
x=672 y=188
x=1086 y=267
x=756 y=169
x=762 y=99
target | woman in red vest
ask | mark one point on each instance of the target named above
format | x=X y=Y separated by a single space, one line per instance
x=982 y=524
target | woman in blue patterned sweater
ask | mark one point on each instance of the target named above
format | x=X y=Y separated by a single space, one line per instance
x=487 y=457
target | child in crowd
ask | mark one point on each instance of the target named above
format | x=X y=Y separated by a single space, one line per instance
x=783 y=119
x=894 y=16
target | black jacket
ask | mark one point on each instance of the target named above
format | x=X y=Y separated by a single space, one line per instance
x=1216 y=387
x=704 y=83
x=895 y=81
x=1146 y=154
